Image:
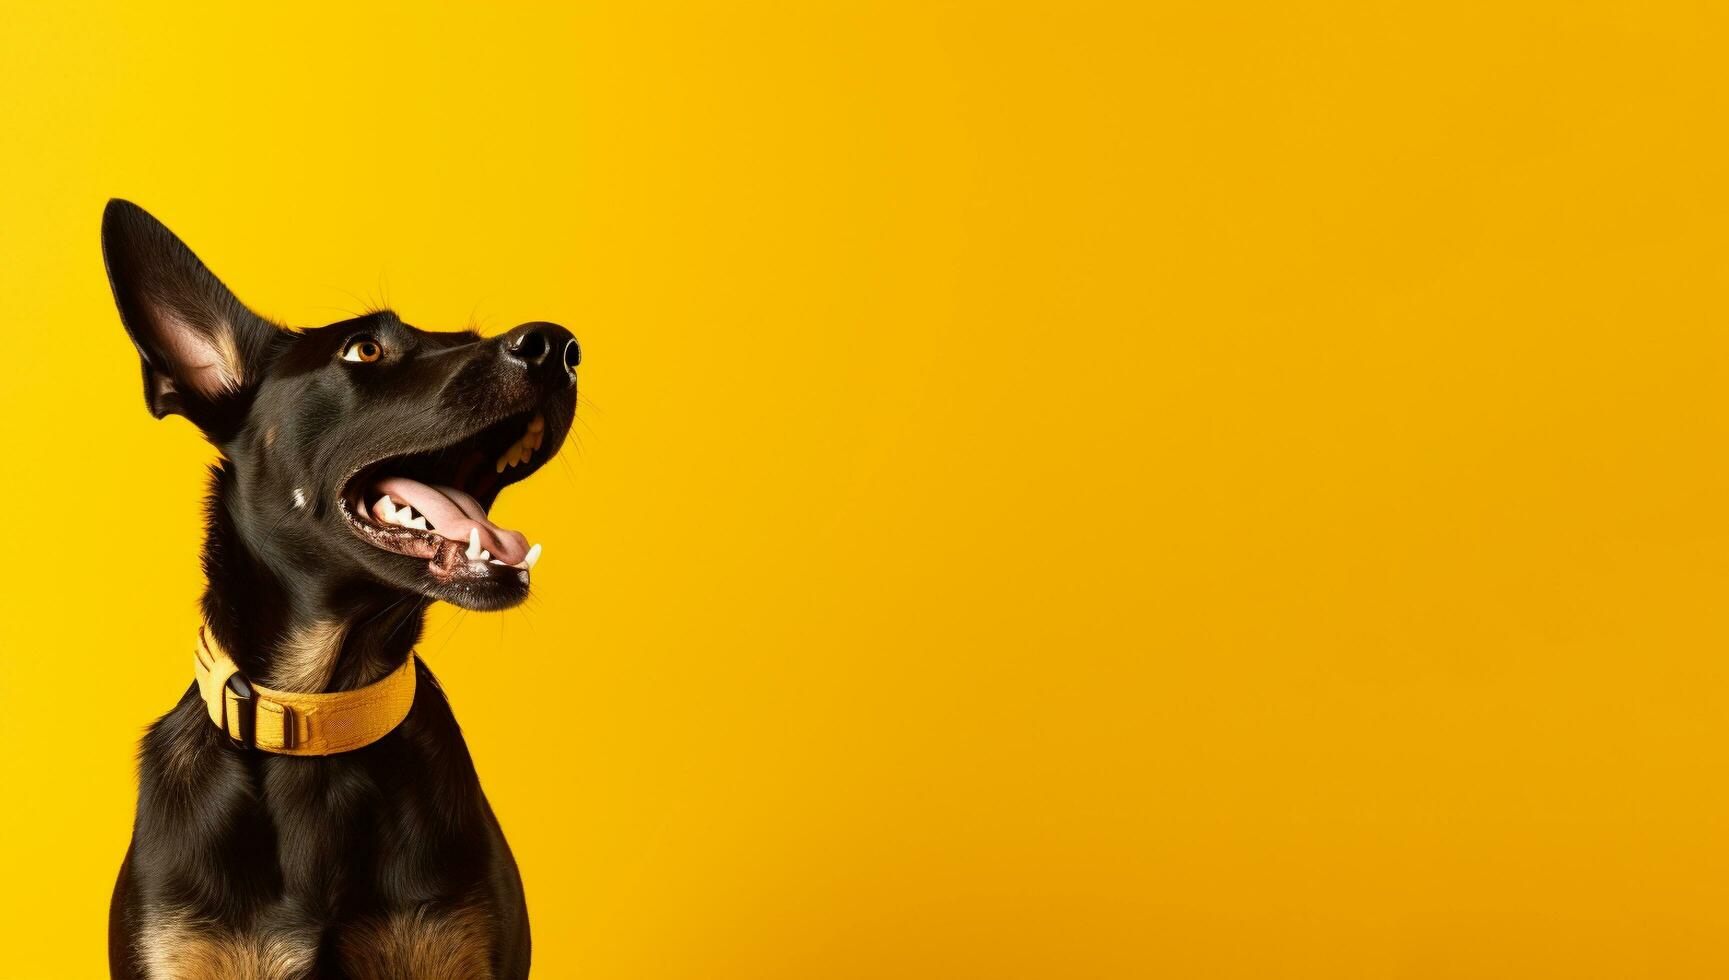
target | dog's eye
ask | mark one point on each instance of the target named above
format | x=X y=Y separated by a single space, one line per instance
x=363 y=349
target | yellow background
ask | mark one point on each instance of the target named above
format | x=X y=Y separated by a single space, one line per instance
x=1179 y=490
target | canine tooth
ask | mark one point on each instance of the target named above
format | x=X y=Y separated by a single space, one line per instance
x=385 y=509
x=473 y=543
x=532 y=557
x=500 y=466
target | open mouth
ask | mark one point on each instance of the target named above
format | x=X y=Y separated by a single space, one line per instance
x=433 y=505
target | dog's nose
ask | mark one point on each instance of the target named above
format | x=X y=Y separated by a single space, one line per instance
x=546 y=349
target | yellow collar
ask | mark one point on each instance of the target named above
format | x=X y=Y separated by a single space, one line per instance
x=288 y=723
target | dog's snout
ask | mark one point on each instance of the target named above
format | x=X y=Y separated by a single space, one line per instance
x=544 y=349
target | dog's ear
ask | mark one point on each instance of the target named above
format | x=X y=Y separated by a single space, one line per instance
x=201 y=347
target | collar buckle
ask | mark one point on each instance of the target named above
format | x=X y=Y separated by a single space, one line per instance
x=241 y=726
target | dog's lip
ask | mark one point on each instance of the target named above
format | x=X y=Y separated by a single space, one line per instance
x=447 y=510
x=446 y=559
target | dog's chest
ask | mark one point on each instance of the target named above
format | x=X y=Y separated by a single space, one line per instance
x=283 y=869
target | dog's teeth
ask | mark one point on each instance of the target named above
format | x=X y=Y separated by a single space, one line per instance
x=518 y=452
x=385 y=510
x=401 y=518
x=419 y=523
x=536 y=424
x=474 y=549
x=485 y=555
x=508 y=457
x=532 y=557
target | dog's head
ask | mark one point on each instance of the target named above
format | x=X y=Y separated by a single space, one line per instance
x=366 y=448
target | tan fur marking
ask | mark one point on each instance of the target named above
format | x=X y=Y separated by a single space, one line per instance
x=307 y=657
x=428 y=943
x=270 y=437
x=175 y=945
x=229 y=370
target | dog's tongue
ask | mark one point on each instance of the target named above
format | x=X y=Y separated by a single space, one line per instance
x=452 y=514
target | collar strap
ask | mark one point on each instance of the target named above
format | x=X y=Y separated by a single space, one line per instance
x=289 y=723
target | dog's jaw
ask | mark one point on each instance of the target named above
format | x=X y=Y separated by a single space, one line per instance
x=421 y=516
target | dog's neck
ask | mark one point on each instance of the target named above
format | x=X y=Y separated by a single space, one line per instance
x=301 y=626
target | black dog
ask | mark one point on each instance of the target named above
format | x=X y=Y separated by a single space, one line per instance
x=309 y=808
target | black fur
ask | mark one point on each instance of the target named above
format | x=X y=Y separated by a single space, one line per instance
x=261 y=844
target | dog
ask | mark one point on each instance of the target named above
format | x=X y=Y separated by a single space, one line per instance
x=309 y=808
